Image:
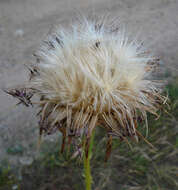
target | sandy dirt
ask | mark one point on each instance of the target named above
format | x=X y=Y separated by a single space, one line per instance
x=23 y=25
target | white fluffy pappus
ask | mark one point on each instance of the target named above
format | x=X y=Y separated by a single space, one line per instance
x=94 y=75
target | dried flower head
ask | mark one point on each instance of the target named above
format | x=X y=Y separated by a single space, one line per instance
x=93 y=75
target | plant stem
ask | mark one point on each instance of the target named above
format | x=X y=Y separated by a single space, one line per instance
x=87 y=158
x=88 y=177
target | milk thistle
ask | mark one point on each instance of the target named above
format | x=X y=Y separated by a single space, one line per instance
x=92 y=75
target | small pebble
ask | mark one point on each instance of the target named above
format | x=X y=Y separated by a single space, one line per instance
x=14 y=187
x=19 y=33
x=26 y=160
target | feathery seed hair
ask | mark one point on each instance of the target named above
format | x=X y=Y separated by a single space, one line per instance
x=94 y=75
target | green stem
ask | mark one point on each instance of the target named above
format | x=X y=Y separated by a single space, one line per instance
x=88 y=177
x=87 y=170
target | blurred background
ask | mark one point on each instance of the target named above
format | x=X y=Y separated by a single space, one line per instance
x=23 y=25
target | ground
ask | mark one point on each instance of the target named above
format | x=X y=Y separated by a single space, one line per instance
x=23 y=25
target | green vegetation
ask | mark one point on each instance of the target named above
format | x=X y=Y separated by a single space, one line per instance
x=17 y=149
x=7 y=178
x=139 y=168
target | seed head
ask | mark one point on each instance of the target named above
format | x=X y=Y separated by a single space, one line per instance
x=93 y=75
